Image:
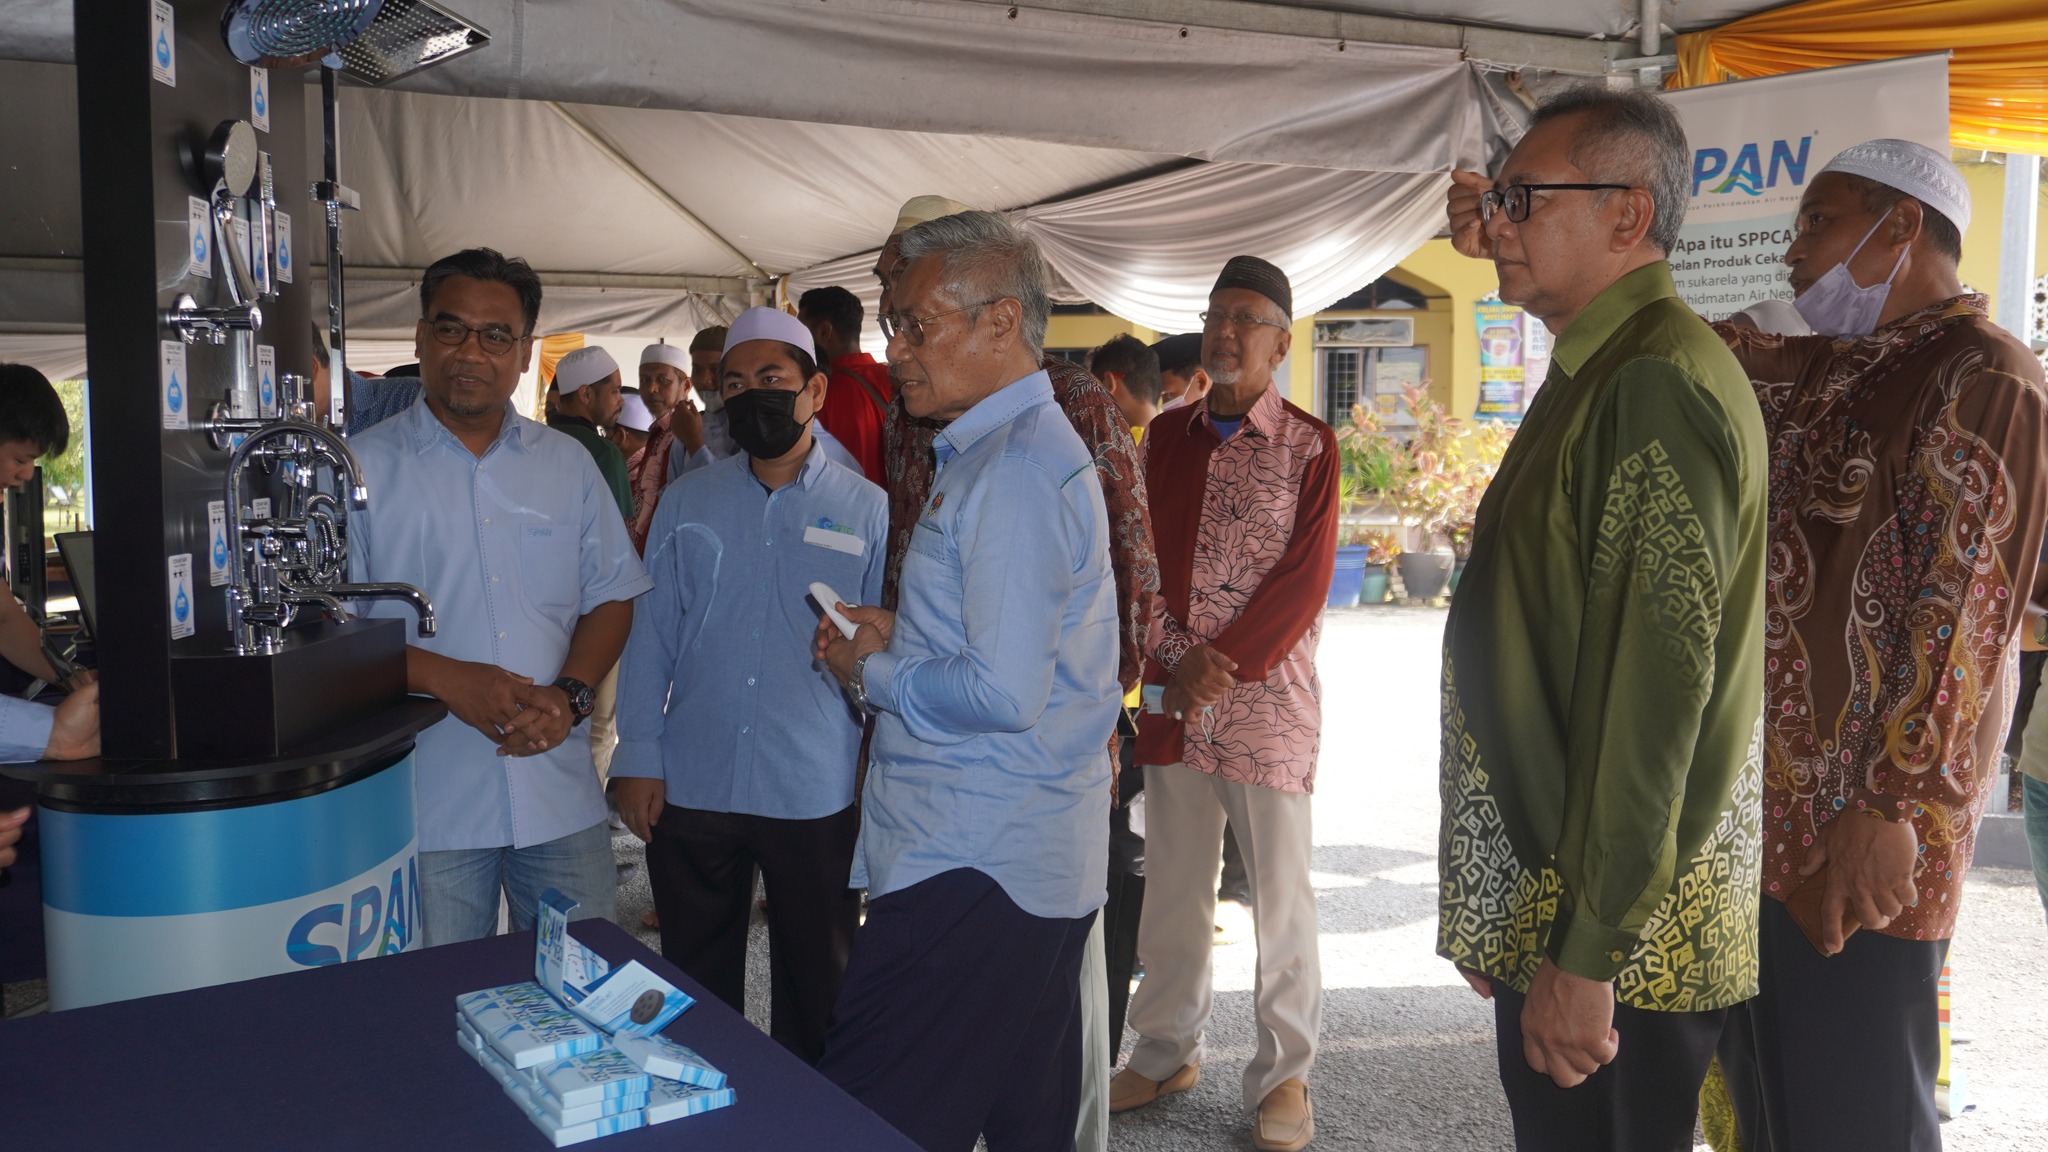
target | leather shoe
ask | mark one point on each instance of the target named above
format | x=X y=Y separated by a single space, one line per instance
x=1286 y=1120
x=1133 y=1089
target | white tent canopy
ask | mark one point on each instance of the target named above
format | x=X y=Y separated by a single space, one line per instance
x=657 y=159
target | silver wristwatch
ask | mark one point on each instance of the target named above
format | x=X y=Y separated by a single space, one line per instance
x=859 y=685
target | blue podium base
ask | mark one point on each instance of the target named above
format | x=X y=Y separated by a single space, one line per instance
x=142 y=902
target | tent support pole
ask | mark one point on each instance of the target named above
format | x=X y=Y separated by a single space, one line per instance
x=657 y=191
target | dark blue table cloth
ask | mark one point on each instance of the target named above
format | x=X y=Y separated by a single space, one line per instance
x=363 y=1056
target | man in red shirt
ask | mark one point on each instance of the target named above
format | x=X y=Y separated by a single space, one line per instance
x=857 y=399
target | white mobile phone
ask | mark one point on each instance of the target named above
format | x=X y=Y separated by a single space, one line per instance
x=826 y=598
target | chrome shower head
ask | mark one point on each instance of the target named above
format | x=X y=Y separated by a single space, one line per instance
x=375 y=41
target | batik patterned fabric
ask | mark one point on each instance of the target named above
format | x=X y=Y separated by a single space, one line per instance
x=647 y=474
x=907 y=441
x=1603 y=672
x=1247 y=532
x=1908 y=493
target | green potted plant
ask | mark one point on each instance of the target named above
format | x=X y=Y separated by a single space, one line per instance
x=1475 y=458
x=1366 y=472
x=1381 y=549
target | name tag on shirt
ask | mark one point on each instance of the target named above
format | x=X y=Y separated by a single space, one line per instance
x=835 y=540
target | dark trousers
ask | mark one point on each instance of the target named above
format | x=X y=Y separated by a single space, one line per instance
x=1120 y=948
x=1836 y=1052
x=961 y=1016
x=701 y=866
x=1646 y=1100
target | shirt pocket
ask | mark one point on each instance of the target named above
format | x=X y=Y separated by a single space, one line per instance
x=550 y=567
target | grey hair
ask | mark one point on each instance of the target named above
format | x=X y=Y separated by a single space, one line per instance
x=1631 y=137
x=984 y=259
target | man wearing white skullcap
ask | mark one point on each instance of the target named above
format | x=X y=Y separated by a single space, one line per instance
x=1908 y=495
x=664 y=378
x=587 y=381
x=629 y=431
x=735 y=750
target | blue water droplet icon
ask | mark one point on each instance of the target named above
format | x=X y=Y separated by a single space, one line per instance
x=259 y=99
x=220 y=550
x=284 y=256
x=163 y=48
x=269 y=393
x=175 y=393
x=181 y=607
x=199 y=246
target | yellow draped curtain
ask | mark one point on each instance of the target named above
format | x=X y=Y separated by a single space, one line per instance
x=551 y=351
x=1998 y=73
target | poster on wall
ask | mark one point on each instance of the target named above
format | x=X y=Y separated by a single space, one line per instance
x=1756 y=143
x=1502 y=372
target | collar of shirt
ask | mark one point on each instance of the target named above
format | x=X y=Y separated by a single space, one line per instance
x=428 y=431
x=1261 y=420
x=1933 y=316
x=995 y=410
x=1608 y=312
x=805 y=476
x=560 y=421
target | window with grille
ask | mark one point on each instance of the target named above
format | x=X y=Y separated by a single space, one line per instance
x=1343 y=374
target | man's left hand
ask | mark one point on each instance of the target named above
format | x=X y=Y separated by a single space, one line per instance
x=1870 y=873
x=873 y=629
x=1568 y=1025
x=543 y=723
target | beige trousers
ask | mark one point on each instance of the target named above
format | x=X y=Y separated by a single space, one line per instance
x=604 y=724
x=1184 y=815
x=1091 y=1130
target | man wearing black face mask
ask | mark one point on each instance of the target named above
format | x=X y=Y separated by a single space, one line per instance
x=757 y=768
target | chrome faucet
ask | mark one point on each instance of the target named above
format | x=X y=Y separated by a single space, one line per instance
x=289 y=563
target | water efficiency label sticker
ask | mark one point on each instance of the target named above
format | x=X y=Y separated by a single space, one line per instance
x=175 y=381
x=217 y=543
x=266 y=381
x=259 y=508
x=284 y=248
x=198 y=238
x=259 y=98
x=182 y=622
x=163 y=43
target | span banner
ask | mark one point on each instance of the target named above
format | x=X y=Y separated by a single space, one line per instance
x=1756 y=143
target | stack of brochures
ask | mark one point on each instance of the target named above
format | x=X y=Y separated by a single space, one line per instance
x=580 y=1050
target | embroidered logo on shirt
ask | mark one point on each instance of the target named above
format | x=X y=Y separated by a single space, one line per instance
x=828 y=525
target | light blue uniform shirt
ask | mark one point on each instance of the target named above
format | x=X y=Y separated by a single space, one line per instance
x=718 y=694
x=513 y=549
x=25 y=726
x=718 y=445
x=999 y=688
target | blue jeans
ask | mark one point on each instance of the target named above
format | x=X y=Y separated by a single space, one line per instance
x=459 y=889
x=2036 y=796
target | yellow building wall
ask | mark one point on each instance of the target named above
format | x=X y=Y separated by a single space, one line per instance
x=1091 y=331
x=1987 y=221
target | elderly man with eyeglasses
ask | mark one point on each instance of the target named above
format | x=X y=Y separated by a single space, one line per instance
x=985 y=816
x=1243 y=487
x=1604 y=661
x=516 y=537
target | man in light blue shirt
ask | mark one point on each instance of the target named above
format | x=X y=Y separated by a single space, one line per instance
x=703 y=437
x=512 y=533
x=737 y=750
x=985 y=823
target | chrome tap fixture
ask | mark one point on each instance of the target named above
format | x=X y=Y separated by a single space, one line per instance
x=295 y=560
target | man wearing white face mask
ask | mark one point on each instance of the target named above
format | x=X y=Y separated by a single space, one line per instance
x=1908 y=494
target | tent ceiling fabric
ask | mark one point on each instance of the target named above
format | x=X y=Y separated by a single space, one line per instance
x=954 y=66
x=1571 y=17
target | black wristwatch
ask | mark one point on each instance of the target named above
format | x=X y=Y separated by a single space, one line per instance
x=582 y=701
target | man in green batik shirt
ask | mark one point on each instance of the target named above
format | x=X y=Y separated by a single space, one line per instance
x=1603 y=661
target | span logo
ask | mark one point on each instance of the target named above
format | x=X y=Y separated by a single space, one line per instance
x=377 y=921
x=1748 y=173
